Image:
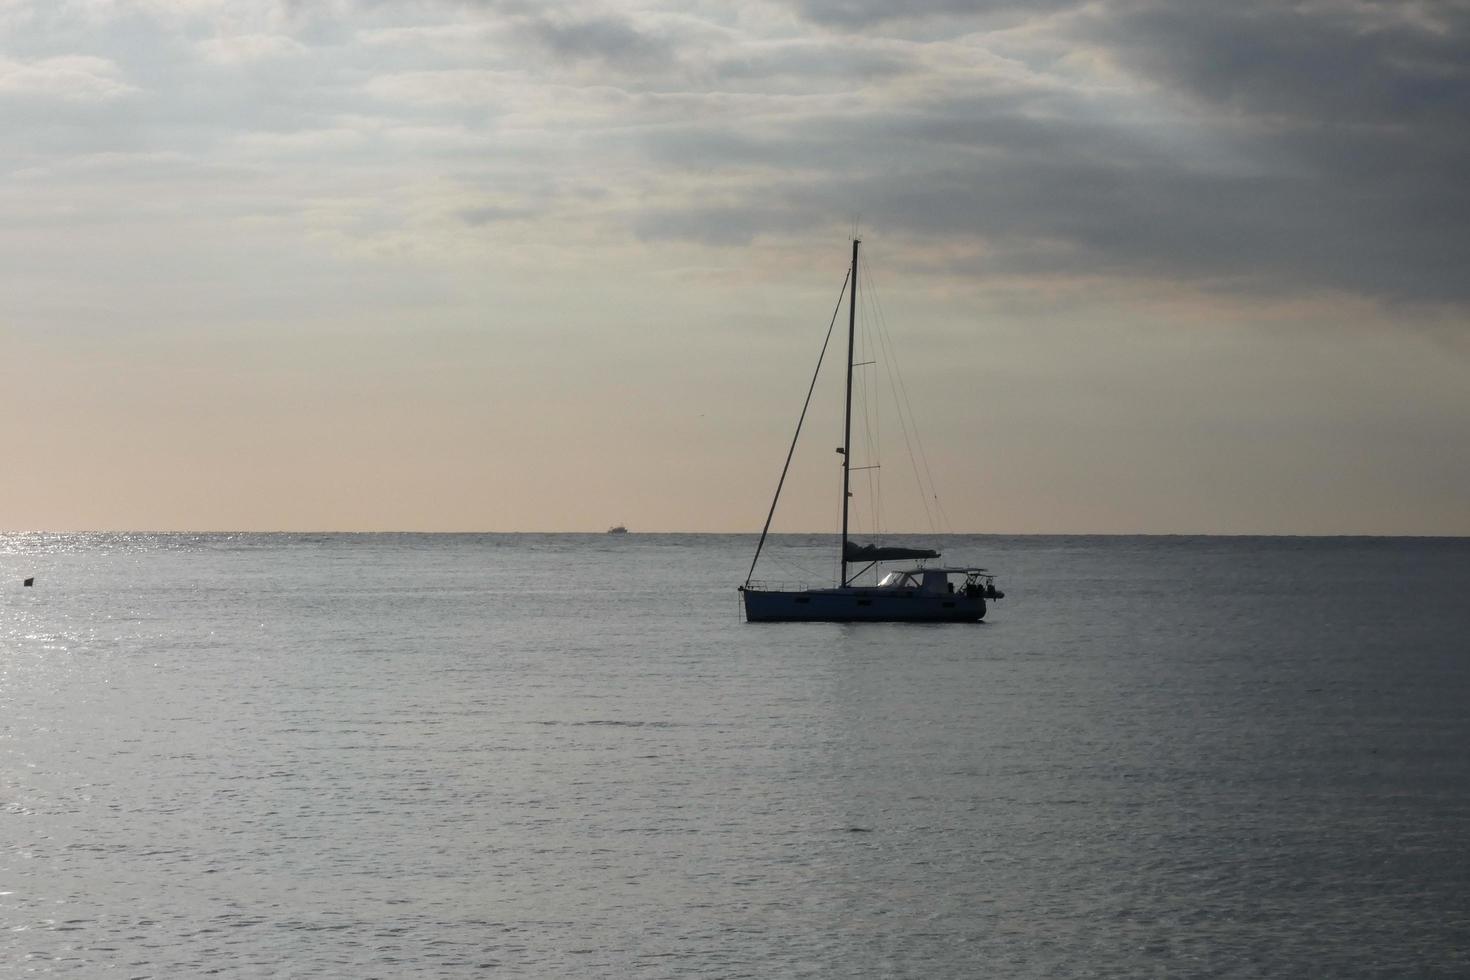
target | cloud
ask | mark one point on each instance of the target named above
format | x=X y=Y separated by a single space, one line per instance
x=491 y=214
x=611 y=40
x=736 y=224
x=578 y=33
x=863 y=13
x=246 y=48
x=782 y=61
x=463 y=87
x=1328 y=63
x=71 y=78
x=1363 y=110
x=1252 y=147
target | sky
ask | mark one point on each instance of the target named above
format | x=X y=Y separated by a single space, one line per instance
x=492 y=265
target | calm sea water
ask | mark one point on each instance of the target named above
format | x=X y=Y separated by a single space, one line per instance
x=401 y=755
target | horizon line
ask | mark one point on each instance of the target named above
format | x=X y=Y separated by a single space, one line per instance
x=605 y=533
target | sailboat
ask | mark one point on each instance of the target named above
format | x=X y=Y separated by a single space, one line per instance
x=916 y=592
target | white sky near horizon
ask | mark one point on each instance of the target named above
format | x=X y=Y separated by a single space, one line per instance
x=492 y=265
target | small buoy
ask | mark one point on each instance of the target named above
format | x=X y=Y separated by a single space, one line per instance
x=29 y=582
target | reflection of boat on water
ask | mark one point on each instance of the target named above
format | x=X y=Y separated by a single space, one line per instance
x=617 y=529
x=915 y=593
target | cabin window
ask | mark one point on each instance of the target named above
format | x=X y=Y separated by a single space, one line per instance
x=802 y=600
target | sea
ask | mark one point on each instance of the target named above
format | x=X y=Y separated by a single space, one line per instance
x=405 y=755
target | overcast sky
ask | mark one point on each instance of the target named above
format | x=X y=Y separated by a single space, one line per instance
x=500 y=265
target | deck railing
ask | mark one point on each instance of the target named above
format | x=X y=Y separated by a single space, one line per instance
x=776 y=585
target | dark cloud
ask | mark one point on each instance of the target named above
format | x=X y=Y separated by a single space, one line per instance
x=1283 y=148
x=1259 y=145
x=727 y=224
x=604 y=38
x=1363 y=106
x=490 y=214
x=860 y=13
x=781 y=63
x=586 y=35
x=1336 y=63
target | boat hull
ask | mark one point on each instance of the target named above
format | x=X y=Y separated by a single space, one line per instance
x=857 y=605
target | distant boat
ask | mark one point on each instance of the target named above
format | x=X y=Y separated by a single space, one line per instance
x=617 y=529
x=916 y=593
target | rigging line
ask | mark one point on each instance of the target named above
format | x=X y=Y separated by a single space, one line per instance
x=945 y=524
x=875 y=413
x=923 y=457
x=869 y=396
x=800 y=568
x=905 y=412
x=792 y=451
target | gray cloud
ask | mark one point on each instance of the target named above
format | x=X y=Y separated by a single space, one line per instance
x=490 y=214
x=1366 y=108
x=1271 y=149
x=1074 y=213
x=861 y=13
x=1250 y=146
x=1335 y=63
x=728 y=224
x=781 y=63
x=582 y=35
x=612 y=40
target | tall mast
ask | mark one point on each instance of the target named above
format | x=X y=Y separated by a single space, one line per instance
x=847 y=408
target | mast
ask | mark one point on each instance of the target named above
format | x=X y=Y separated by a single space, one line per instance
x=847 y=408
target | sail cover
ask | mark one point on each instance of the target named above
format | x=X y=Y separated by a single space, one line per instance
x=869 y=552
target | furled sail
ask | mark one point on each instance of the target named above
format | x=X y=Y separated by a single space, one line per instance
x=869 y=552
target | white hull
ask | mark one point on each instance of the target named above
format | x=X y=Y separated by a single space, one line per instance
x=856 y=604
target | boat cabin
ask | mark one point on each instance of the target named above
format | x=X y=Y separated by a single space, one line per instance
x=938 y=581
